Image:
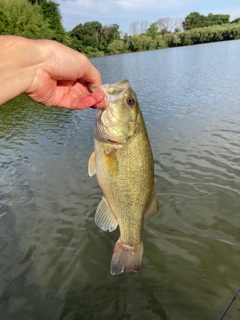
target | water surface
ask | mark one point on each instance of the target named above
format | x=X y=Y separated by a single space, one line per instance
x=54 y=261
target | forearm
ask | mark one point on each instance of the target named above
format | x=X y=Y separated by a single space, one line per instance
x=18 y=64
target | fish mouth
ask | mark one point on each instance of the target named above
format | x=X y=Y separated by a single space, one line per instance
x=107 y=125
x=114 y=88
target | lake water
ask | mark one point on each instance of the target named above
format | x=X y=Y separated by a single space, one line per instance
x=54 y=260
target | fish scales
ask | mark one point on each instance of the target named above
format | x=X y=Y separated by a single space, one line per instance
x=126 y=185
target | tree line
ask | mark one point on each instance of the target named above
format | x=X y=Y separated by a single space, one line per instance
x=42 y=19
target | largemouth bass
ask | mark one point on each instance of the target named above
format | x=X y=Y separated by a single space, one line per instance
x=123 y=163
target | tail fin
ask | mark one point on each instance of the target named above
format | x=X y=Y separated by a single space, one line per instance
x=126 y=258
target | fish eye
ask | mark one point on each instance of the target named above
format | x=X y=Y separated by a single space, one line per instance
x=130 y=101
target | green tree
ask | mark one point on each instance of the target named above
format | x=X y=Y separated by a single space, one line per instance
x=146 y=42
x=216 y=19
x=22 y=18
x=161 y=42
x=35 y=1
x=52 y=15
x=196 y=20
x=152 y=30
x=115 y=32
x=152 y=45
x=116 y=47
x=134 y=43
x=89 y=34
x=164 y=31
x=3 y=22
x=193 y=20
x=32 y=19
x=208 y=34
x=111 y=33
x=236 y=20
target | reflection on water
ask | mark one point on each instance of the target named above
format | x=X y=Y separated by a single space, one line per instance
x=54 y=261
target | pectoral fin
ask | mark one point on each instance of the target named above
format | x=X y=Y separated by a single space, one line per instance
x=92 y=164
x=104 y=218
x=153 y=206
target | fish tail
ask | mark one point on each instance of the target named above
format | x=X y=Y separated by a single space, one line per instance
x=126 y=258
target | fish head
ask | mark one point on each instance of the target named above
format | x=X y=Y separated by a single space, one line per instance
x=116 y=121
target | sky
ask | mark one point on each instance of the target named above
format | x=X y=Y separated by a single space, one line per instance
x=125 y=12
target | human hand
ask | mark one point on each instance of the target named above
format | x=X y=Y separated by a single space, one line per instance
x=48 y=73
x=62 y=78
